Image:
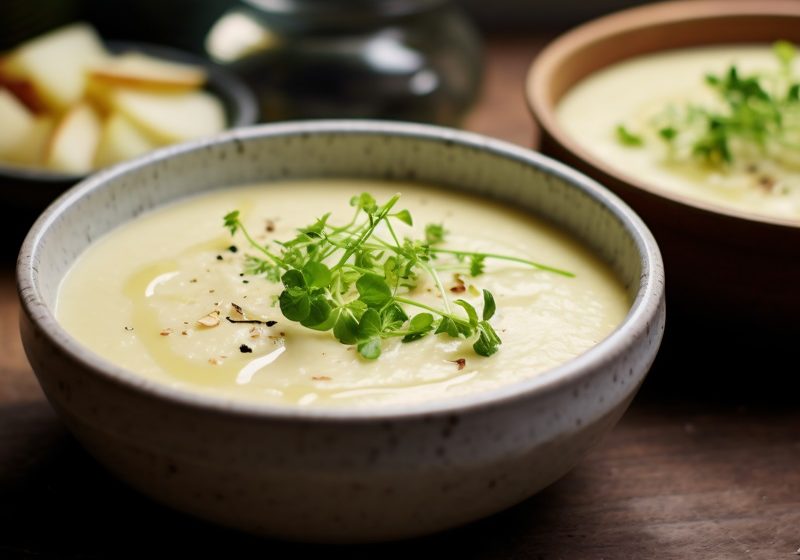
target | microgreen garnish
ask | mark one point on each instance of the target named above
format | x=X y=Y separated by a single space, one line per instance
x=757 y=113
x=357 y=281
x=627 y=137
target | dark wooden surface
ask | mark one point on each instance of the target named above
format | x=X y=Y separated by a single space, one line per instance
x=705 y=464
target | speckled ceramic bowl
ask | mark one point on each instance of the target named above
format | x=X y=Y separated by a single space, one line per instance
x=338 y=475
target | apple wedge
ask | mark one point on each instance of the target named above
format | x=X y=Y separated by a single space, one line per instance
x=17 y=121
x=172 y=117
x=9 y=67
x=137 y=70
x=24 y=90
x=57 y=63
x=30 y=149
x=121 y=140
x=74 y=142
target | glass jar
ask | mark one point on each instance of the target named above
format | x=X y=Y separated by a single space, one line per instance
x=417 y=60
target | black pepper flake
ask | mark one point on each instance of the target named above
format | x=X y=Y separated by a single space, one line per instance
x=245 y=349
x=271 y=324
x=250 y=321
x=219 y=257
x=241 y=274
x=233 y=248
x=128 y=329
x=245 y=281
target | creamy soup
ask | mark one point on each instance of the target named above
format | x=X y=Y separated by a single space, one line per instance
x=154 y=296
x=637 y=93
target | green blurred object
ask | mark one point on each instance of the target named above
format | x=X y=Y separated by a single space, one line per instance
x=416 y=60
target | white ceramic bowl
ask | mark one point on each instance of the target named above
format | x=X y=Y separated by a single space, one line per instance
x=338 y=475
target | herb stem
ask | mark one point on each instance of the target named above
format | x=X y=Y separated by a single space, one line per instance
x=258 y=246
x=540 y=266
x=374 y=223
x=449 y=314
x=433 y=274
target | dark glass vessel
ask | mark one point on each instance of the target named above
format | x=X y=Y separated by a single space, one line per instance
x=417 y=60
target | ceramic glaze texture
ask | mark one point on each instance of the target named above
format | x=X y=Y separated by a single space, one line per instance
x=342 y=476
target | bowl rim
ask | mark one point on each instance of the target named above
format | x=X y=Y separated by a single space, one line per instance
x=220 y=79
x=643 y=312
x=650 y=16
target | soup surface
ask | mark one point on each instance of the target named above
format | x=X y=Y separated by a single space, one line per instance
x=641 y=92
x=142 y=296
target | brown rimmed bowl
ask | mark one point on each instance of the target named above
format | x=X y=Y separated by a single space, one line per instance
x=721 y=263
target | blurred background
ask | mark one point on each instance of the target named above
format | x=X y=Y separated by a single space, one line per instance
x=418 y=60
x=182 y=22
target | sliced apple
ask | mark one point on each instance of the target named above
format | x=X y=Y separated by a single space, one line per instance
x=21 y=87
x=172 y=117
x=100 y=96
x=25 y=91
x=17 y=121
x=121 y=140
x=9 y=67
x=74 y=142
x=67 y=104
x=137 y=70
x=30 y=149
x=57 y=63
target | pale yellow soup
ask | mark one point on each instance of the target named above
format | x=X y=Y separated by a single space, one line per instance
x=135 y=297
x=636 y=91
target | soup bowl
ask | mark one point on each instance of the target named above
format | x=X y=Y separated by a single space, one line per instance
x=724 y=262
x=340 y=475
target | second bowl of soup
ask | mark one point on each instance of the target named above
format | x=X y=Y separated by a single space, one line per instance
x=687 y=110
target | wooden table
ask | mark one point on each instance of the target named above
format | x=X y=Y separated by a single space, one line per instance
x=705 y=464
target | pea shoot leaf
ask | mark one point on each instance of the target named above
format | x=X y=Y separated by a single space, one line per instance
x=489 y=306
x=419 y=326
x=373 y=290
